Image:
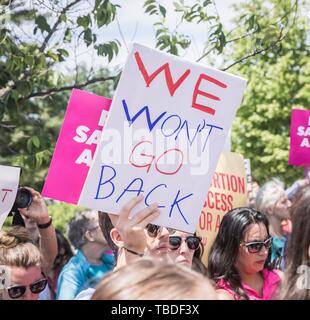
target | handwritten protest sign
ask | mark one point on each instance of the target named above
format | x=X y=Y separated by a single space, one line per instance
x=300 y=138
x=228 y=191
x=9 y=179
x=76 y=145
x=163 y=137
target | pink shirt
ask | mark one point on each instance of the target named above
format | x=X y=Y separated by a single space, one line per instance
x=271 y=283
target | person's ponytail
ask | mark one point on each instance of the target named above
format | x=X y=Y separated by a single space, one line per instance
x=17 y=249
x=13 y=237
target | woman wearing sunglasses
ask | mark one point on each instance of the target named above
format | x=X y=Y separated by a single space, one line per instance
x=21 y=262
x=237 y=260
x=183 y=247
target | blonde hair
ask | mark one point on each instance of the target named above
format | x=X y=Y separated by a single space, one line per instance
x=149 y=279
x=17 y=249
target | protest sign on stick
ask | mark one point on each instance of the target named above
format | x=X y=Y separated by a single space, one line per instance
x=228 y=190
x=168 y=123
x=79 y=135
x=9 y=179
x=300 y=138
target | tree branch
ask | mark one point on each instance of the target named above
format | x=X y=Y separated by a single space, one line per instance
x=65 y=88
x=241 y=37
x=48 y=37
x=250 y=34
x=121 y=33
x=205 y=54
x=256 y=52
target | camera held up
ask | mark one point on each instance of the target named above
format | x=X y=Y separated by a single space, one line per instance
x=23 y=199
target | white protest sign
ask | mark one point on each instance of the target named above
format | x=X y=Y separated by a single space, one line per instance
x=247 y=164
x=9 y=179
x=167 y=126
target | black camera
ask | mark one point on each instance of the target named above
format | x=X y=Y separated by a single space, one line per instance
x=23 y=198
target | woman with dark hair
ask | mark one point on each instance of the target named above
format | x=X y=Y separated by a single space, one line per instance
x=197 y=264
x=237 y=260
x=186 y=249
x=296 y=284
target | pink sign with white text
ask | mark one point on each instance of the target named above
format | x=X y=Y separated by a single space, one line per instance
x=76 y=145
x=300 y=138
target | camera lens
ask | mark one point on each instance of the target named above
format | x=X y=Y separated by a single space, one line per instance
x=23 y=198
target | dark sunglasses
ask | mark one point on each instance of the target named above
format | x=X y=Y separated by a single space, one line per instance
x=16 y=292
x=191 y=241
x=153 y=230
x=256 y=246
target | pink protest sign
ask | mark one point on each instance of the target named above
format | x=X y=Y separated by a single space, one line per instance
x=300 y=138
x=76 y=145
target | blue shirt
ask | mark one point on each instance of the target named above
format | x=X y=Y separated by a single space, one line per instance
x=278 y=252
x=78 y=274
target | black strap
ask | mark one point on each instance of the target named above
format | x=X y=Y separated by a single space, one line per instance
x=45 y=225
x=134 y=252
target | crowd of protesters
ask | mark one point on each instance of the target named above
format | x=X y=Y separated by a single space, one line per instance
x=261 y=252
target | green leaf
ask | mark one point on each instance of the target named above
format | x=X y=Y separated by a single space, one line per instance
x=97 y=4
x=39 y=159
x=94 y=38
x=148 y=2
x=101 y=49
x=52 y=55
x=88 y=37
x=29 y=145
x=15 y=96
x=115 y=46
x=162 y=10
x=42 y=24
x=206 y=3
x=105 y=13
x=63 y=17
x=84 y=21
x=29 y=60
x=108 y=49
x=36 y=141
x=159 y=31
x=63 y=52
x=2 y=109
x=110 y=54
x=68 y=36
x=150 y=8
x=33 y=141
x=23 y=87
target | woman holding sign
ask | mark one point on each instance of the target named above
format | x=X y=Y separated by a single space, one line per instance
x=237 y=260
